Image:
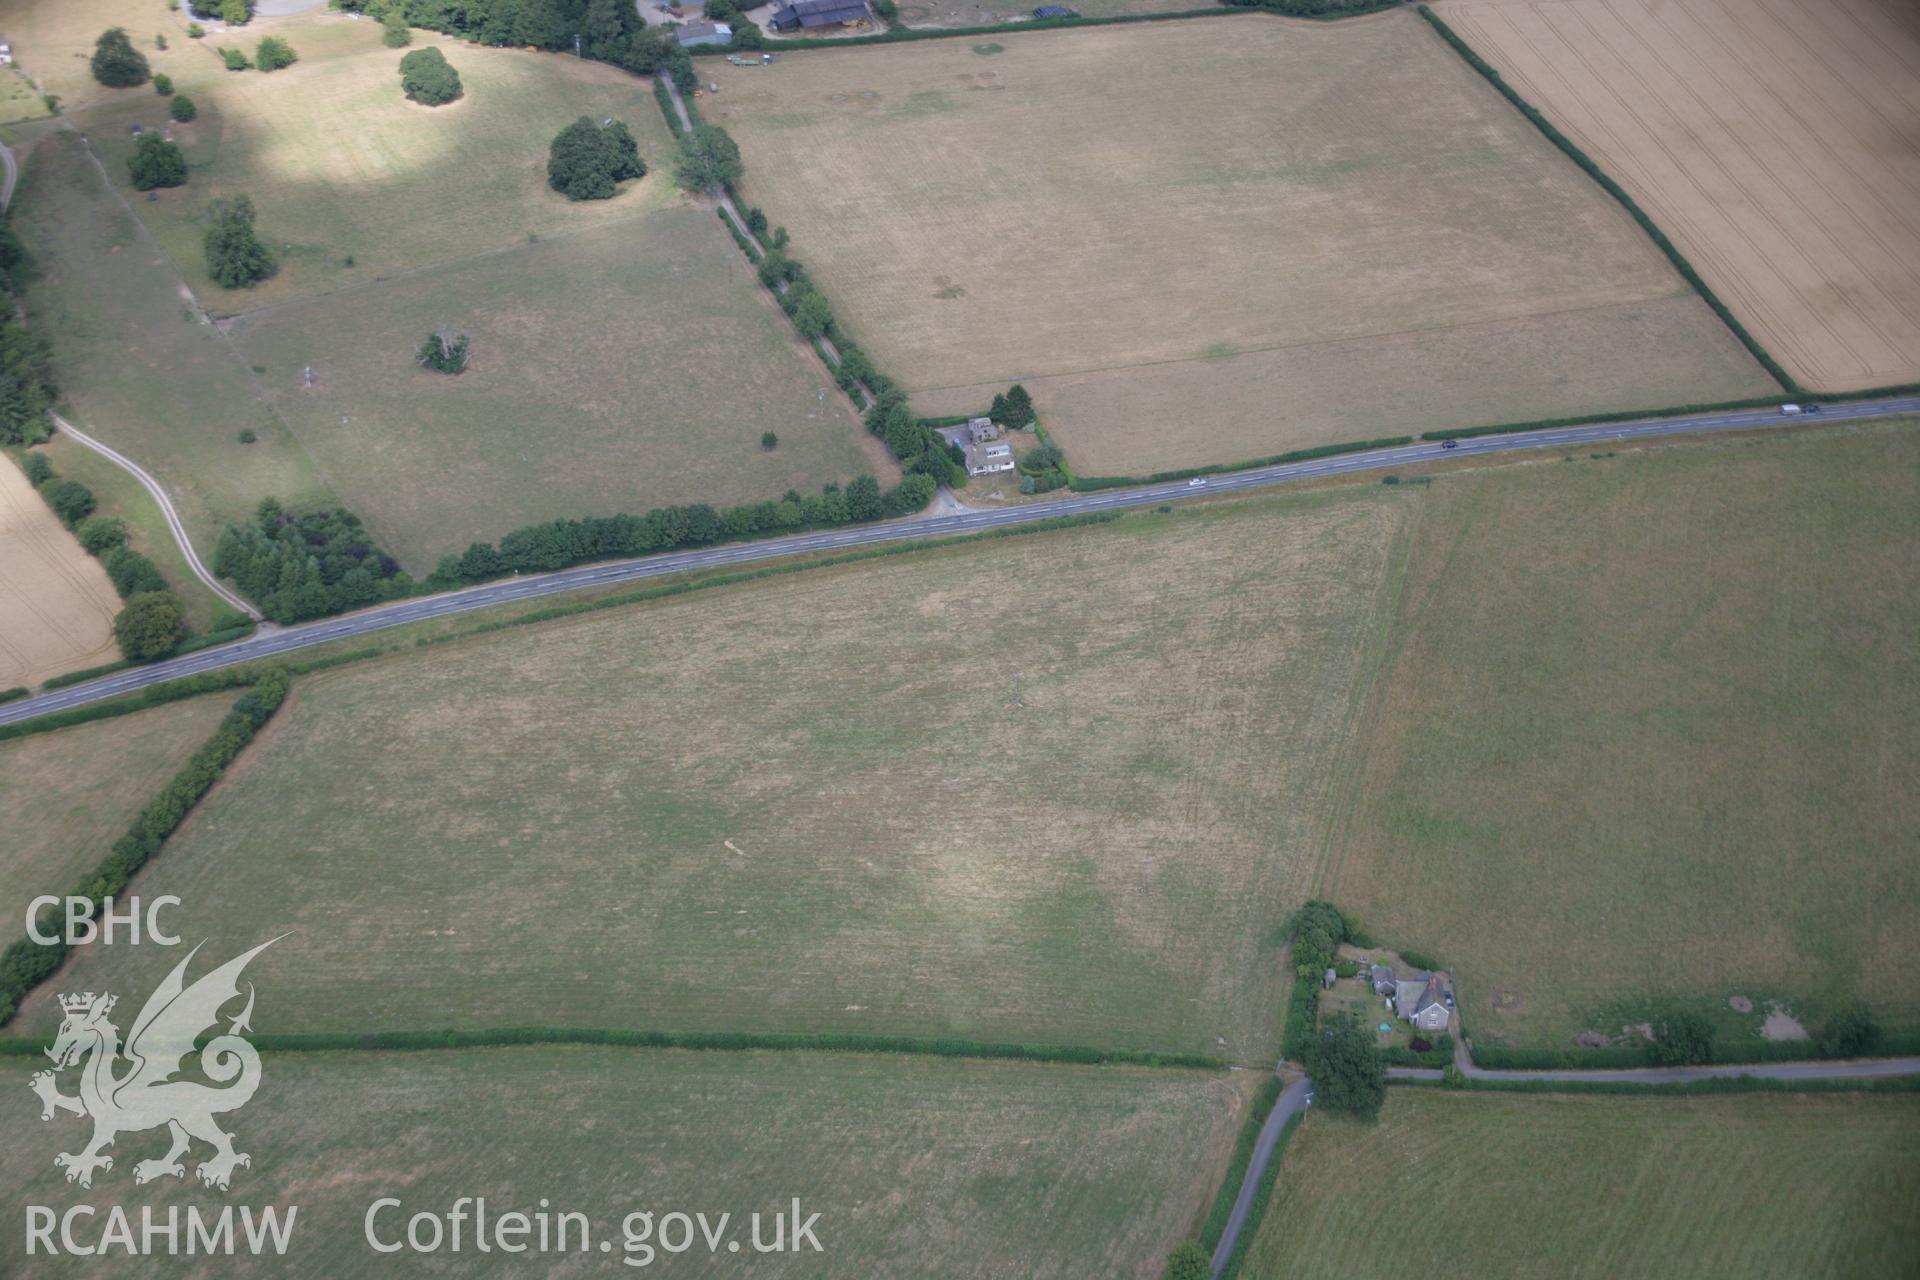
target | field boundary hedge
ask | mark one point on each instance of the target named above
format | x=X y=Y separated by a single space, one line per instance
x=1262 y=1195
x=246 y=673
x=721 y=1041
x=899 y=35
x=27 y=963
x=1725 y=1054
x=1264 y=1101
x=1731 y=1084
x=1619 y=193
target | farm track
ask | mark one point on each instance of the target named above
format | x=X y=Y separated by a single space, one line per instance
x=516 y=590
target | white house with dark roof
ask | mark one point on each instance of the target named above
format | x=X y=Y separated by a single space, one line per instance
x=1424 y=1001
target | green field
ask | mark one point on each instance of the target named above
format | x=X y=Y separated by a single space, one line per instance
x=624 y=357
x=339 y=163
x=886 y=797
x=69 y=794
x=916 y=1166
x=1648 y=726
x=1746 y=1187
x=135 y=362
x=618 y=369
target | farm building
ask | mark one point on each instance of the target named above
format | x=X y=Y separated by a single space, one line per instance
x=695 y=34
x=1054 y=11
x=809 y=14
x=6 y=51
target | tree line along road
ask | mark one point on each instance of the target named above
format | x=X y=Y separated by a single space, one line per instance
x=273 y=642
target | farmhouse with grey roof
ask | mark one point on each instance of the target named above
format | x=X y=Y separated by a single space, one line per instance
x=1422 y=1001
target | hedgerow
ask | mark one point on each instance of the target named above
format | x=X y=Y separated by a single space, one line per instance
x=26 y=963
x=1264 y=1100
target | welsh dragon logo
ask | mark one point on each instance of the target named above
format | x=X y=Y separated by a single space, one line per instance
x=139 y=1090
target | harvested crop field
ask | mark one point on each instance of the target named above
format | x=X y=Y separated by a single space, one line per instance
x=1744 y=1187
x=56 y=603
x=1647 y=728
x=993 y=1168
x=1210 y=241
x=1777 y=142
x=70 y=793
x=888 y=797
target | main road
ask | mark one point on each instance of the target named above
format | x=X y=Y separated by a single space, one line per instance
x=275 y=641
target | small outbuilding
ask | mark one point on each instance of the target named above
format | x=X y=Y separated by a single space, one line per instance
x=6 y=51
x=1054 y=11
x=808 y=14
x=695 y=34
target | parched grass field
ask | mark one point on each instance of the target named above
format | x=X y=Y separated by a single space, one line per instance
x=1777 y=143
x=135 y=362
x=1205 y=242
x=624 y=356
x=69 y=794
x=1646 y=727
x=56 y=604
x=1745 y=1187
x=890 y=797
x=624 y=367
x=340 y=164
x=916 y=1166
x=53 y=43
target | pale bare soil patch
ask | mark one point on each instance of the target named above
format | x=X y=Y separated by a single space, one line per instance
x=917 y=1166
x=56 y=603
x=69 y=794
x=1338 y=230
x=1776 y=141
x=893 y=796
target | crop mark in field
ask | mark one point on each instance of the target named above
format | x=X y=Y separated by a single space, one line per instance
x=946 y=290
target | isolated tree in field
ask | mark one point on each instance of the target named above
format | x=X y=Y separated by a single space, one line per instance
x=769 y=440
x=429 y=78
x=394 y=32
x=708 y=159
x=182 y=108
x=235 y=257
x=155 y=162
x=444 y=351
x=235 y=60
x=163 y=85
x=274 y=53
x=149 y=626
x=587 y=160
x=116 y=63
x=1189 y=1262
x=1348 y=1075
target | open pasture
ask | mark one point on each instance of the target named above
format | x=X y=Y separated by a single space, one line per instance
x=137 y=364
x=915 y=1166
x=69 y=794
x=1746 y=1187
x=887 y=797
x=1646 y=727
x=354 y=182
x=622 y=368
x=1205 y=242
x=56 y=603
x=1777 y=143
